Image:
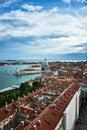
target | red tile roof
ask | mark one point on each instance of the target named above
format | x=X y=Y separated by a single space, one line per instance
x=52 y=116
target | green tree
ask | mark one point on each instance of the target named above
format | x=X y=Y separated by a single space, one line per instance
x=2 y=100
x=9 y=95
x=25 y=88
x=37 y=85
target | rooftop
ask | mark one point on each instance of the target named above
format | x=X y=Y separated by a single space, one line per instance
x=43 y=108
x=52 y=114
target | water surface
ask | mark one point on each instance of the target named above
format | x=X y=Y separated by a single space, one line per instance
x=8 y=78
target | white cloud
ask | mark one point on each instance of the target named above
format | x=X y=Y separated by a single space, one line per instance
x=78 y=1
x=7 y=2
x=54 y=10
x=81 y=1
x=67 y=1
x=31 y=7
x=69 y=30
x=84 y=8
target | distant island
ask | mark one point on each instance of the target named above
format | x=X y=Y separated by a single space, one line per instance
x=16 y=63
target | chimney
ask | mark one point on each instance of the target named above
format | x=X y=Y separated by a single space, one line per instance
x=23 y=95
x=28 y=116
x=12 y=100
x=19 y=109
x=54 y=106
x=6 y=104
x=15 y=109
x=39 y=122
x=2 y=125
x=25 y=112
x=19 y=98
x=11 y=129
x=28 y=93
x=35 y=112
x=22 y=122
x=34 y=127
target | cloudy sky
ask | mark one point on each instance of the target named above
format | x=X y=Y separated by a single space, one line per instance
x=43 y=28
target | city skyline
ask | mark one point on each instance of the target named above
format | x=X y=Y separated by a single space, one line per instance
x=39 y=29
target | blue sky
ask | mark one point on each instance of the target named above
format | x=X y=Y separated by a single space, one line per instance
x=39 y=28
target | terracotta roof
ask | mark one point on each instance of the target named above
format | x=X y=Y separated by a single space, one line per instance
x=52 y=116
x=6 y=112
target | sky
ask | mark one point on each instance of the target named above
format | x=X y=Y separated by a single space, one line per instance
x=37 y=29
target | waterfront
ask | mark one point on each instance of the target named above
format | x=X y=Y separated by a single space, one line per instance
x=8 y=78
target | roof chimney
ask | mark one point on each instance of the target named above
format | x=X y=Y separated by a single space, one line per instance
x=6 y=104
x=54 y=106
x=12 y=100
x=23 y=95
x=28 y=115
x=15 y=109
x=11 y=129
x=19 y=109
x=36 y=113
x=28 y=93
x=22 y=122
x=39 y=122
x=34 y=127
x=19 y=98
x=25 y=112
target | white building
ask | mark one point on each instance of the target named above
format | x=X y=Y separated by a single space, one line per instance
x=71 y=113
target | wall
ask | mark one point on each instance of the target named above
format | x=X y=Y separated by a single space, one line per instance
x=71 y=113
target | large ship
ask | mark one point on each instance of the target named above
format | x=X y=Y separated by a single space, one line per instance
x=34 y=69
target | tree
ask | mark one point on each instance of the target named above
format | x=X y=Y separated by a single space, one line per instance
x=25 y=88
x=37 y=85
x=2 y=100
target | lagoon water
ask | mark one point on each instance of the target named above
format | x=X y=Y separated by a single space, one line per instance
x=8 y=77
